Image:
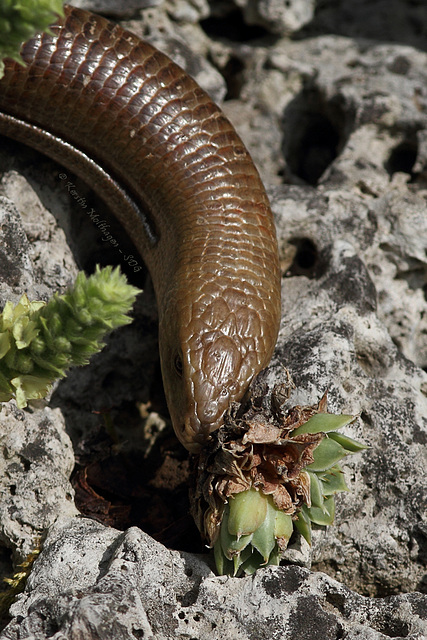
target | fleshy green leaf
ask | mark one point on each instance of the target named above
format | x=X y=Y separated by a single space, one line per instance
x=247 y=512
x=303 y=525
x=223 y=565
x=326 y=454
x=7 y=314
x=6 y=390
x=29 y=387
x=263 y=538
x=316 y=490
x=348 y=443
x=275 y=557
x=231 y=545
x=254 y=562
x=242 y=558
x=251 y=551
x=283 y=526
x=333 y=481
x=325 y=515
x=4 y=343
x=323 y=422
x=24 y=331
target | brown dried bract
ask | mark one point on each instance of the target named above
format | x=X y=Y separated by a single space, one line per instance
x=255 y=448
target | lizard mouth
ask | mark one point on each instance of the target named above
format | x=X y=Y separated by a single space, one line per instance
x=195 y=432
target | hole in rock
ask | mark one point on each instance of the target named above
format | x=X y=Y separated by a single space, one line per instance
x=337 y=600
x=393 y=628
x=25 y=462
x=233 y=76
x=232 y=27
x=307 y=261
x=402 y=158
x=7 y=570
x=315 y=131
x=126 y=489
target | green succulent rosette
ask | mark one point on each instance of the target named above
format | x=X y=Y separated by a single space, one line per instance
x=255 y=532
x=22 y=19
x=40 y=341
x=271 y=472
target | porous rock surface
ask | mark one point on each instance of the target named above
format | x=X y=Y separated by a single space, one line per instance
x=93 y=582
x=335 y=118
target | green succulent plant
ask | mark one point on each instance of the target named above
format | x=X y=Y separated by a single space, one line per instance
x=255 y=529
x=22 y=19
x=40 y=341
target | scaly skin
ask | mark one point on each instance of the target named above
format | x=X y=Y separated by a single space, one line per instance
x=170 y=166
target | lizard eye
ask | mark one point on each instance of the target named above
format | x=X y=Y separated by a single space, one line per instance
x=178 y=364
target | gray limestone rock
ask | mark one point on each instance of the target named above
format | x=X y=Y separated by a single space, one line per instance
x=277 y=16
x=336 y=125
x=95 y=582
x=331 y=339
x=15 y=263
x=35 y=466
x=114 y=8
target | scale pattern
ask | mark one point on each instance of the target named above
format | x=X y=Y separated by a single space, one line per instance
x=148 y=139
